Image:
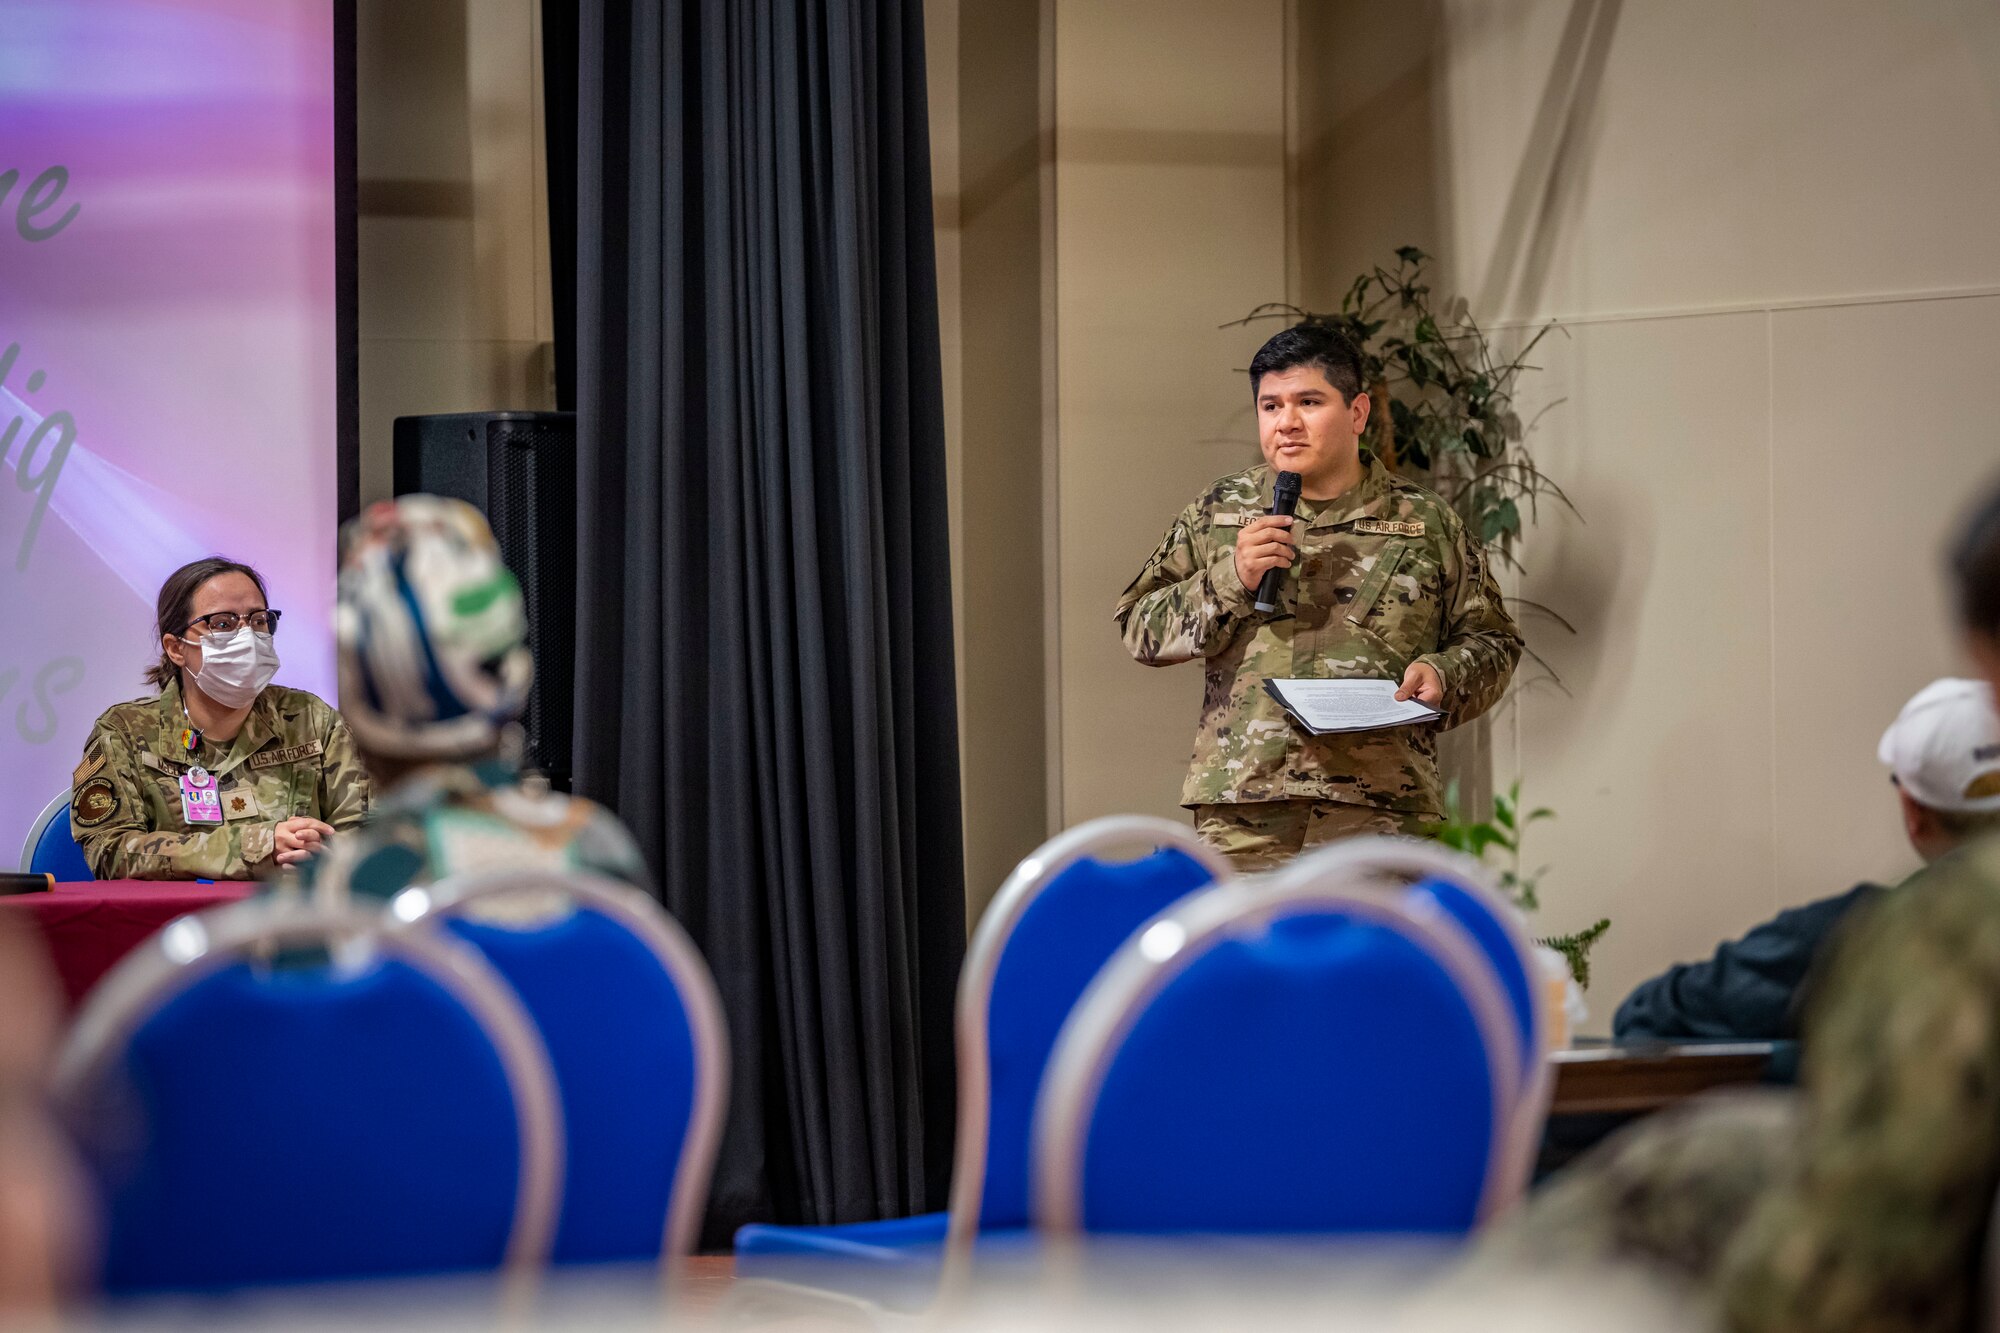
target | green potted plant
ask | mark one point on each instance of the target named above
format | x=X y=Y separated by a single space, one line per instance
x=1497 y=840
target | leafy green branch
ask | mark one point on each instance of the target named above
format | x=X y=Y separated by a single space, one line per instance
x=1497 y=840
x=1575 y=947
x=1503 y=830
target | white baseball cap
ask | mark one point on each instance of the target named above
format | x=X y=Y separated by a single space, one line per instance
x=1944 y=747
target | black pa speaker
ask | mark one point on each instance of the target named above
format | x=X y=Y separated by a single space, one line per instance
x=519 y=469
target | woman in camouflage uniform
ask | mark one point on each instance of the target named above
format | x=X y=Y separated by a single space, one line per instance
x=221 y=775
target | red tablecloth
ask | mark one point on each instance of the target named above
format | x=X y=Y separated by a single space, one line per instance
x=90 y=926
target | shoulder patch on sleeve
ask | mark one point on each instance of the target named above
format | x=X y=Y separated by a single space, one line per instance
x=94 y=802
x=92 y=765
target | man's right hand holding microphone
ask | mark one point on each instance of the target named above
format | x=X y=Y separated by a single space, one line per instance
x=1264 y=544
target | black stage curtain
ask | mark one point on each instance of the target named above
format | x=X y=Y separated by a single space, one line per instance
x=764 y=659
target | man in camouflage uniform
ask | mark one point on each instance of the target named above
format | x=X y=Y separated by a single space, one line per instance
x=1389 y=585
x=294 y=758
x=1862 y=1203
x=435 y=667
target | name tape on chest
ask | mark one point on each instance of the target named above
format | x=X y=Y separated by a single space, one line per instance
x=1231 y=520
x=1391 y=527
x=291 y=754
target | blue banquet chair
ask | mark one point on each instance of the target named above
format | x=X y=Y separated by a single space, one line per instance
x=635 y=1032
x=1434 y=878
x=52 y=849
x=273 y=1092
x=1296 y=1055
x=1063 y=912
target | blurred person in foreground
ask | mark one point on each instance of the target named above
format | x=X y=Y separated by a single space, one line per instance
x=435 y=669
x=1862 y=1201
x=222 y=774
x=43 y=1214
x=1943 y=756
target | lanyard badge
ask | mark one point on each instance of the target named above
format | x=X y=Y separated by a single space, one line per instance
x=200 y=803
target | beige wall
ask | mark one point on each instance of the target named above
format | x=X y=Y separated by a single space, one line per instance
x=453 y=232
x=1170 y=222
x=1766 y=227
x=991 y=223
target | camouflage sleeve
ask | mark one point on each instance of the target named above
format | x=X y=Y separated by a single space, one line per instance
x=1881 y=1227
x=344 y=791
x=119 y=845
x=1182 y=606
x=1478 y=643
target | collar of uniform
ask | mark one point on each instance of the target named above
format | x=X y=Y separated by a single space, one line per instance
x=1361 y=500
x=260 y=728
x=172 y=717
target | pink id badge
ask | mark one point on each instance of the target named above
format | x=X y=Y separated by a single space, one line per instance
x=200 y=802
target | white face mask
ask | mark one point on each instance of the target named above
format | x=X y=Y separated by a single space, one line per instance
x=236 y=667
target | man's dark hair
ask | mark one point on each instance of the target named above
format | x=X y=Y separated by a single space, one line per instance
x=1975 y=564
x=1320 y=346
x=176 y=607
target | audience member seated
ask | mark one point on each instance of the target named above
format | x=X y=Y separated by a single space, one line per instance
x=1863 y=1200
x=221 y=775
x=435 y=668
x=44 y=1216
x=1943 y=753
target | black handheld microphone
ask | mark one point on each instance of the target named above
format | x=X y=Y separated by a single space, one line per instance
x=1284 y=499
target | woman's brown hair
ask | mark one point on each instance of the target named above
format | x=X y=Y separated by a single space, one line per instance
x=176 y=607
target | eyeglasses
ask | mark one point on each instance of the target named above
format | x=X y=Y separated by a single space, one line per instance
x=228 y=622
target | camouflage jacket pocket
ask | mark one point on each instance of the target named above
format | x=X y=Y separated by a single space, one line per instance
x=163 y=801
x=1399 y=600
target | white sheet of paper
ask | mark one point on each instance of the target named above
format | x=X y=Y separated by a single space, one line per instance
x=1350 y=705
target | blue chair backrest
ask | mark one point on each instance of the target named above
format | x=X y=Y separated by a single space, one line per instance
x=622 y=1047
x=307 y=1124
x=55 y=851
x=1325 y=1074
x=1476 y=917
x=1063 y=938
